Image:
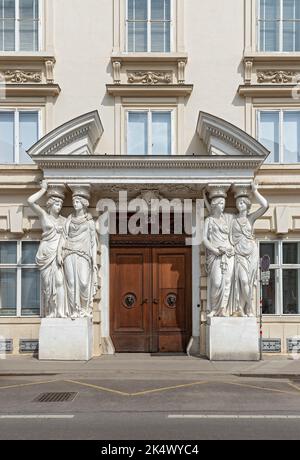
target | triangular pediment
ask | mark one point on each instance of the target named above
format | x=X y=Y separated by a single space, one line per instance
x=222 y=138
x=78 y=137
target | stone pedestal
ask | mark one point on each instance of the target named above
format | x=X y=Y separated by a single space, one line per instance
x=66 y=339
x=232 y=339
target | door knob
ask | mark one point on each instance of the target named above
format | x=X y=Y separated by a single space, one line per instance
x=156 y=301
x=144 y=301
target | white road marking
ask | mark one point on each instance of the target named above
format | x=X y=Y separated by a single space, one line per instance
x=26 y=417
x=236 y=417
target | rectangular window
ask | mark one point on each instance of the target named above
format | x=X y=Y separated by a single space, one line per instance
x=282 y=296
x=19 y=279
x=19 y=130
x=279 y=25
x=149 y=26
x=19 y=25
x=279 y=132
x=149 y=133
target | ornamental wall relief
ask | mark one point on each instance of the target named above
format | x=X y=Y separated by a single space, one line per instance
x=149 y=77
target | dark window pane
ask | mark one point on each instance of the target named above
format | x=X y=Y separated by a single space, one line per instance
x=8 y=252
x=137 y=37
x=269 y=9
x=269 y=295
x=268 y=249
x=269 y=134
x=291 y=253
x=291 y=292
x=8 y=292
x=29 y=251
x=30 y=292
x=160 y=37
x=160 y=10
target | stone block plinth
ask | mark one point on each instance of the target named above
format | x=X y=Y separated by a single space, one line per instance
x=232 y=339
x=66 y=339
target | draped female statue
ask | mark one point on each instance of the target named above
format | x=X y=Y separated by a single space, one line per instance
x=219 y=256
x=52 y=283
x=246 y=251
x=78 y=255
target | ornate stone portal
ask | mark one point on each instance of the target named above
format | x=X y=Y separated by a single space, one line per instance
x=68 y=155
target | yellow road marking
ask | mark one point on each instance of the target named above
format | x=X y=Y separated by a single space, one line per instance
x=260 y=388
x=96 y=387
x=28 y=384
x=294 y=386
x=139 y=393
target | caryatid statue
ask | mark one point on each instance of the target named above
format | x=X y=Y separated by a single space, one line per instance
x=219 y=252
x=246 y=258
x=52 y=223
x=77 y=254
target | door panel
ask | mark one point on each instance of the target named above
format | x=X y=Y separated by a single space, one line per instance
x=151 y=299
x=172 y=289
x=130 y=294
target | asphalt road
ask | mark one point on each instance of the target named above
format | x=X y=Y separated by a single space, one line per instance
x=206 y=407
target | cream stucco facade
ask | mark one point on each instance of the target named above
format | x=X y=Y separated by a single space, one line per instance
x=213 y=67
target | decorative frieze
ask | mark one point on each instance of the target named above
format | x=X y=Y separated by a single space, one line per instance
x=276 y=76
x=22 y=76
x=149 y=77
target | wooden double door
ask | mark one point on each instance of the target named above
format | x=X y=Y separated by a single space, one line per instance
x=151 y=299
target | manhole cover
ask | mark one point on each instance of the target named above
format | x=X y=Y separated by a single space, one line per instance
x=55 y=397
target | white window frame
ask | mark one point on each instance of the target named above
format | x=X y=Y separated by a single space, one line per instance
x=279 y=266
x=19 y=267
x=149 y=121
x=281 y=22
x=16 y=112
x=17 y=28
x=149 y=35
x=281 y=112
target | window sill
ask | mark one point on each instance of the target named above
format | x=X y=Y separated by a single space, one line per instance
x=268 y=90
x=139 y=90
x=275 y=56
x=32 y=56
x=281 y=318
x=20 y=320
x=149 y=57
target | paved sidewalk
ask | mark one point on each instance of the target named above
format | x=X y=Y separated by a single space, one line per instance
x=146 y=367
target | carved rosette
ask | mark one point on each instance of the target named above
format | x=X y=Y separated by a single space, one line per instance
x=149 y=78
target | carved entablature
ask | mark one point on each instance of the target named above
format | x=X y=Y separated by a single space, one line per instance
x=155 y=72
x=272 y=75
x=28 y=76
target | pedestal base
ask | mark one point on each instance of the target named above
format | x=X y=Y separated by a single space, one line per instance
x=232 y=339
x=66 y=339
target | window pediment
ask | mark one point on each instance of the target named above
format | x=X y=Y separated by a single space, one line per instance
x=77 y=137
